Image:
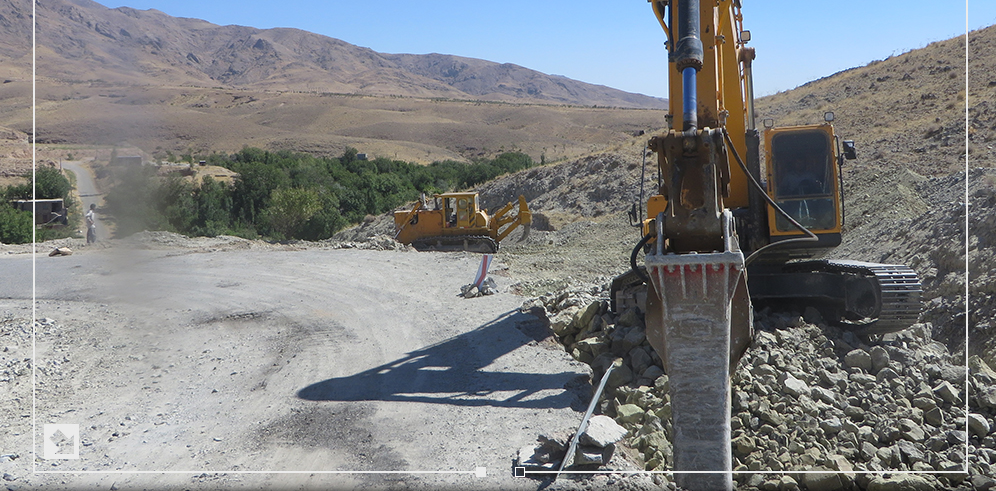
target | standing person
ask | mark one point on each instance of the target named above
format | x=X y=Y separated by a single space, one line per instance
x=91 y=224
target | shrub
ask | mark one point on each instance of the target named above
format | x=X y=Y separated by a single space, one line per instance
x=15 y=225
x=50 y=183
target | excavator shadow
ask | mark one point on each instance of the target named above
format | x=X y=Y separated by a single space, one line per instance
x=496 y=364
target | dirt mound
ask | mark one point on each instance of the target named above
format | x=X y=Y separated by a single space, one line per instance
x=589 y=187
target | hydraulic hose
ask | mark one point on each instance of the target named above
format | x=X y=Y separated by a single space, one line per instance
x=636 y=250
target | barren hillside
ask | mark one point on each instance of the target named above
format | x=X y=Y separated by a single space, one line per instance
x=908 y=110
x=142 y=79
x=81 y=41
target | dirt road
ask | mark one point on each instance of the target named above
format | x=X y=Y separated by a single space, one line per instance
x=274 y=368
x=87 y=190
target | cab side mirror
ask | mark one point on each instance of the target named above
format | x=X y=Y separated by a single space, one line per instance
x=850 y=153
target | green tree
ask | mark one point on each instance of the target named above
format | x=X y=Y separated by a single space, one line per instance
x=214 y=204
x=349 y=156
x=17 y=191
x=50 y=183
x=15 y=225
x=173 y=199
x=326 y=222
x=253 y=189
x=290 y=209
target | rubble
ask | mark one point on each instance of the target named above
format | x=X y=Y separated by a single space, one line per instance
x=602 y=431
x=487 y=287
x=597 y=446
x=806 y=397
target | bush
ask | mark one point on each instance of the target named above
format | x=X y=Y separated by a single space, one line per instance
x=15 y=225
x=290 y=209
x=50 y=183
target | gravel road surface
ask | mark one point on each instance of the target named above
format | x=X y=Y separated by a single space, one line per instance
x=279 y=368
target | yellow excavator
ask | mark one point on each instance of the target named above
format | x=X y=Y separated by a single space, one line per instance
x=723 y=232
x=456 y=222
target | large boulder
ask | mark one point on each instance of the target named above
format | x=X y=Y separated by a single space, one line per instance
x=907 y=482
x=829 y=481
x=602 y=431
x=858 y=358
x=629 y=414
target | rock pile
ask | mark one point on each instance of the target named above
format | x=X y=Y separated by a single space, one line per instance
x=596 y=445
x=374 y=242
x=487 y=287
x=576 y=188
x=807 y=397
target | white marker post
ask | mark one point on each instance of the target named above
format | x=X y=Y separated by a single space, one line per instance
x=482 y=273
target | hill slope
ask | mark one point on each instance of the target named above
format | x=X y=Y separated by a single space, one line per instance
x=160 y=84
x=81 y=40
x=908 y=109
x=905 y=195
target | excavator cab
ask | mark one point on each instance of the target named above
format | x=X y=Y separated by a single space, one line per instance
x=803 y=175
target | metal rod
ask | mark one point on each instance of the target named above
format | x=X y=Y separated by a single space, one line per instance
x=689 y=55
x=643 y=177
x=584 y=421
x=689 y=102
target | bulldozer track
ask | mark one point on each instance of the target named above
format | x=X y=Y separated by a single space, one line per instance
x=897 y=299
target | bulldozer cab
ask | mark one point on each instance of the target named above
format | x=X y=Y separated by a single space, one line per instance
x=804 y=179
x=459 y=209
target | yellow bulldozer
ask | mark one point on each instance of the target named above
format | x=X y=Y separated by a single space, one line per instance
x=456 y=222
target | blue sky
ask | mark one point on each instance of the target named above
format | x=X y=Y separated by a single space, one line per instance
x=610 y=42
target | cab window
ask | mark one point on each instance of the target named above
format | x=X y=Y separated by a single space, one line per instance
x=803 y=179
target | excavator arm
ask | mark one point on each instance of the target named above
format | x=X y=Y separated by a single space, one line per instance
x=698 y=312
x=711 y=218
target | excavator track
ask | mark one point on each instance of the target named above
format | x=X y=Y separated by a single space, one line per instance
x=894 y=306
x=471 y=243
x=868 y=298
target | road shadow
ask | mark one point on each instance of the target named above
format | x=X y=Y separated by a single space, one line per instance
x=462 y=371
